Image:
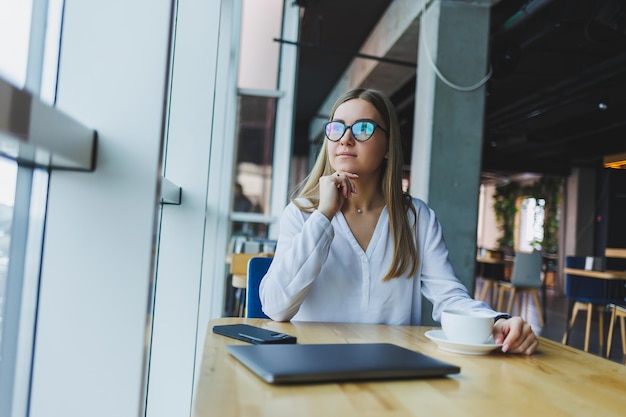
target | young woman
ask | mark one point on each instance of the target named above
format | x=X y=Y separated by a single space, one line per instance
x=354 y=248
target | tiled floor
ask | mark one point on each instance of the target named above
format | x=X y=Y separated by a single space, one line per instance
x=556 y=317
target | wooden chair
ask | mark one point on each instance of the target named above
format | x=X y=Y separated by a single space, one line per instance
x=490 y=269
x=489 y=284
x=617 y=311
x=525 y=280
x=586 y=294
x=239 y=270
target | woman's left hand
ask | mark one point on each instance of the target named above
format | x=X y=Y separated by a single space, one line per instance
x=516 y=336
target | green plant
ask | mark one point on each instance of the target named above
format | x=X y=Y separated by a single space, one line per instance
x=505 y=209
x=505 y=200
x=549 y=188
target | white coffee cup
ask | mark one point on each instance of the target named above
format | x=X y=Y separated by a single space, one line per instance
x=466 y=327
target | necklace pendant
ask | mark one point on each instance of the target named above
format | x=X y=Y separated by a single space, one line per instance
x=359 y=211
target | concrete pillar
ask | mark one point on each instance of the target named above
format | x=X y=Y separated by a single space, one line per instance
x=448 y=130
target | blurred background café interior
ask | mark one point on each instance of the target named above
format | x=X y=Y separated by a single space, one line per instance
x=552 y=152
x=141 y=167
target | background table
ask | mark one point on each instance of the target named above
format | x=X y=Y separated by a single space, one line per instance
x=596 y=274
x=492 y=270
x=557 y=381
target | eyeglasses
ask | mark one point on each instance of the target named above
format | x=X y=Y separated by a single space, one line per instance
x=362 y=130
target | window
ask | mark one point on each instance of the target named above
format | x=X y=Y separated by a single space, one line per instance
x=14 y=38
x=257 y=106
x=256 y=114
x=21 y=235
x=29 y=47
x=532 y=212
x=261 y=23
x=253 y=166
x=8 y=176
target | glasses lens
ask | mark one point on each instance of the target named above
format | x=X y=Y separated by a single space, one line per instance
x=335 y=130
x=363 y=130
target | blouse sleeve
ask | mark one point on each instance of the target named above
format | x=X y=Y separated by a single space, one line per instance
x=303 y=244
x=439 y=282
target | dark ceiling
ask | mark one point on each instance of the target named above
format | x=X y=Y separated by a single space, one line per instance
x=557 y=96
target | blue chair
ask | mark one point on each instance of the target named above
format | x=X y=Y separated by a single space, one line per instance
x=257 y=268
x=586 y=294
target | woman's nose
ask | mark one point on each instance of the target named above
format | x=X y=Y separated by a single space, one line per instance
x=347 y=137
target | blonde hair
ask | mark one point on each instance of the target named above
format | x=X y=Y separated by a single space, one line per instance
x=405 y=255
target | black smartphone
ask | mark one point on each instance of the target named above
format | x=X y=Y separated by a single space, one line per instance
x=252 y=334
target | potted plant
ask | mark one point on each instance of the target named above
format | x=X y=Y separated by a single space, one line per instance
x=505 y=208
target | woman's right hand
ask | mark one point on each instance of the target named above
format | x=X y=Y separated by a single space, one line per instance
x=334 y=189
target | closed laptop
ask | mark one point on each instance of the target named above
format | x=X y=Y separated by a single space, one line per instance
x=301 y=363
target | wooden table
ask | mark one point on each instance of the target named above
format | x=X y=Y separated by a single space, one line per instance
x=596 y=274
x=556 y=381
x=610 y=286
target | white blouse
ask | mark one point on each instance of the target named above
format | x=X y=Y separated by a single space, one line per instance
x=321 y=273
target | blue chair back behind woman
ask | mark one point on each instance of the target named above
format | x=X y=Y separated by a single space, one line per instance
x=257 y=268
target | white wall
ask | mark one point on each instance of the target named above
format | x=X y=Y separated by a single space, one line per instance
x=488 y=233
x=99 y=243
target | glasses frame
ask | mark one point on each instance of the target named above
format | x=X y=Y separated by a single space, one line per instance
x=346 y=127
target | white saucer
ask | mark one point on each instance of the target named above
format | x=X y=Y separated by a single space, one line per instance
x=440 y=339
